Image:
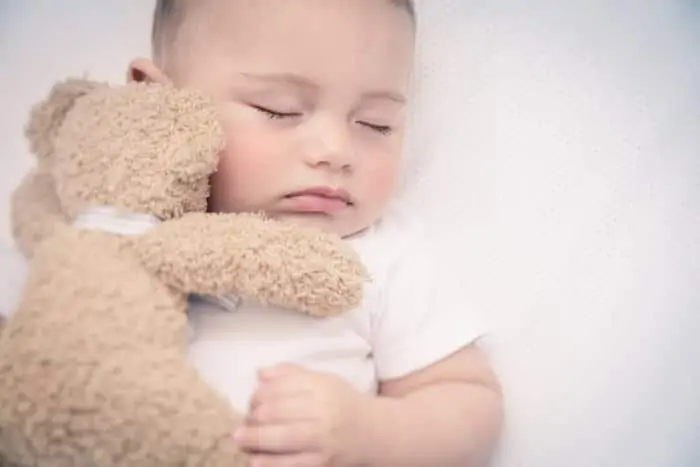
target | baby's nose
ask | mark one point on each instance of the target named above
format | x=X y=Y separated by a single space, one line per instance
x=331 y=146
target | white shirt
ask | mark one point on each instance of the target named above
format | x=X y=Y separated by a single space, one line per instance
x=401 y=327
x=407 y=321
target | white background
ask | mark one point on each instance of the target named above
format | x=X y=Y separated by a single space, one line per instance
x=559 y=152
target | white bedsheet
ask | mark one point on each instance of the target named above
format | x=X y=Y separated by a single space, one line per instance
x=557 y=157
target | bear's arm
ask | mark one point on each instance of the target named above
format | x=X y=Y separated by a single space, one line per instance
x=35 y=211
x=253 y=257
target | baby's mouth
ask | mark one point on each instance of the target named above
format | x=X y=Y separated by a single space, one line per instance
x=317 y=200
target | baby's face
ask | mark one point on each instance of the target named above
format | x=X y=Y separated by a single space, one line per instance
x=313 y=100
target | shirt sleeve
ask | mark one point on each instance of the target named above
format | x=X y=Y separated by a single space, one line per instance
x=422 y=317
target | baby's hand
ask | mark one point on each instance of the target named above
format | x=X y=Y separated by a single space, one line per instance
x=303 y=418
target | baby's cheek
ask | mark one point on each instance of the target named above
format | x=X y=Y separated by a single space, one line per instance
x=384 y=181
x=226 y=184
x=241 y=178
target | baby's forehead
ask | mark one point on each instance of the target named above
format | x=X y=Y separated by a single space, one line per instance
x=170 y=15
x=166 y=8
x=343 y=49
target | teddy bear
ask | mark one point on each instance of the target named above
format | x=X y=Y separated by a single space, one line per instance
x=93 y=363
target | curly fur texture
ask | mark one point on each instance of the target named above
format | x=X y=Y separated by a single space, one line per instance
x=93 y=370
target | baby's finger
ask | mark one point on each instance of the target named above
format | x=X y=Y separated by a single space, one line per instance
x=294 y=408
x=271 y=392
x=293 y=385
x=289 y=438
x=289 y=460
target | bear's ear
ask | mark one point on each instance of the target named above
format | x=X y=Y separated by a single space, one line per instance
x=46 y=117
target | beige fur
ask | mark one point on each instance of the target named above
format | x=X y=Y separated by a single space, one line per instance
x=93 y=370
x=35 y=211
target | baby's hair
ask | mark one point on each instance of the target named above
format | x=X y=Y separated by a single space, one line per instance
x=167 y=17
x=169 y=14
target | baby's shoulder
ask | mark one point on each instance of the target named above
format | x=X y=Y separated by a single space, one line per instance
x=395 y=247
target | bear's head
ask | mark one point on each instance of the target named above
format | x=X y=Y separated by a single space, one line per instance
x=146 y=148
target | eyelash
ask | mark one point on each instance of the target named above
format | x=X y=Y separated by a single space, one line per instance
x=381 y=129
x=273 y=115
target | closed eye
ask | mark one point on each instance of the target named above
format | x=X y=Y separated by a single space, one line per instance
x=274 y=114
x=382 y=129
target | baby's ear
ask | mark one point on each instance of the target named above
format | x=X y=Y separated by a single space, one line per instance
x=46 y=117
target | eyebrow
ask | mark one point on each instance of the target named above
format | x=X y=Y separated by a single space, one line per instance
x=303 y=82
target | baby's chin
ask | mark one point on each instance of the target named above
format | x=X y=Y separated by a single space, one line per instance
x=324 y=222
